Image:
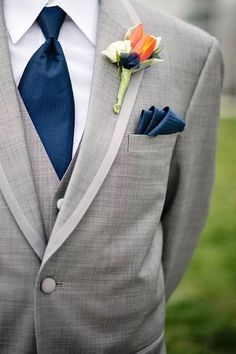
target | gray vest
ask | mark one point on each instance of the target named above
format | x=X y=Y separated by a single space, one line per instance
x=50 y=190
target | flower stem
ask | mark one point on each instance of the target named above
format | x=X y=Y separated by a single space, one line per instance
x=124 y=83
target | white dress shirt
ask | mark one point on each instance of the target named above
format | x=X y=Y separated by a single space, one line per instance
x=77 y=38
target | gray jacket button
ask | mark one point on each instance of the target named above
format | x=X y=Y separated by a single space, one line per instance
x=59 y=203
x=48 y=285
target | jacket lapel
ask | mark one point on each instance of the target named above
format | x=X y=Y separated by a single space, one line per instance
x=104 y=129
x=16 y=181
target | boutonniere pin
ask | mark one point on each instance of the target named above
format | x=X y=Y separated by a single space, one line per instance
x=136 y=52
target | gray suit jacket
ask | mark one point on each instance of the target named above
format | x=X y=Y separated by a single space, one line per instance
x=133 y=209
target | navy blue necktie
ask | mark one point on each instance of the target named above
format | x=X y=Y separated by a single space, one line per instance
x=46 y=90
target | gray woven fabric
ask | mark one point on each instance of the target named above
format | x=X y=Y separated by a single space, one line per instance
x=115 y=271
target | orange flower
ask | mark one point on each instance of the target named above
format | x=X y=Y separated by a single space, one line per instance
x=137 y=35
x=141 y=43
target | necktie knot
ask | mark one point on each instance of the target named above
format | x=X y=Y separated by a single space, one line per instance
x=50 y=21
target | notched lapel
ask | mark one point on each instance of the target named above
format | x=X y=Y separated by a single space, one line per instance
x=16 y=182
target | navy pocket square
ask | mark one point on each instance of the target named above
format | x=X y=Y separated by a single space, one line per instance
x=157 y=121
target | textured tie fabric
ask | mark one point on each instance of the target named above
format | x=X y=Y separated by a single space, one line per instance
x=46 y=90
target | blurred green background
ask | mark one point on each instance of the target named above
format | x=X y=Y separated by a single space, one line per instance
x=201 y=314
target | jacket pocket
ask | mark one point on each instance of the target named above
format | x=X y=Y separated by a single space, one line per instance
x=138 y=143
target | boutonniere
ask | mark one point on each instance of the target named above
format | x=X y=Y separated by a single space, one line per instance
x=136 y=52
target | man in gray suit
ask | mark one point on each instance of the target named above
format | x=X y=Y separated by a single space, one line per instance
x=89 y=256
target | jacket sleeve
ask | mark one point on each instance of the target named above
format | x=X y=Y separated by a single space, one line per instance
x=192 y=172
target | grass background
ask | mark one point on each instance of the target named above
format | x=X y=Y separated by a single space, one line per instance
x=201 y=314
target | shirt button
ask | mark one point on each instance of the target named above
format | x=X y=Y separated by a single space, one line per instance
x=59 y=203
x=48 y=285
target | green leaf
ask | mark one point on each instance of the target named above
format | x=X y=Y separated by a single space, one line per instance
x=156 y=56
x=158 y=50
x=117 y=56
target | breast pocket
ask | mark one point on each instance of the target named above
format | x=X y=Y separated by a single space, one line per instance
x=158 y=149
x=147 y=162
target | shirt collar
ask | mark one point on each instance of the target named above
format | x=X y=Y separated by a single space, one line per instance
x=19 y=20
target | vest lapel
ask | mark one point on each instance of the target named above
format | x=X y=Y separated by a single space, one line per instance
x=45 y=178
x=103 y=132
x=16 y=181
